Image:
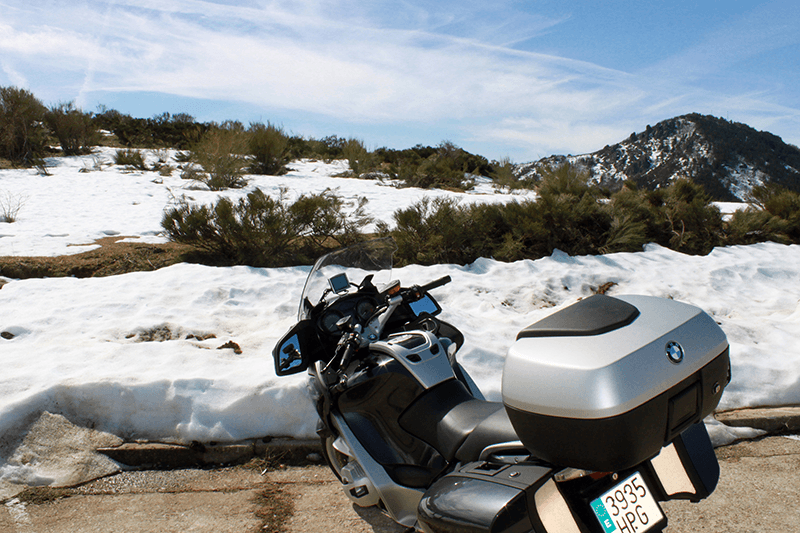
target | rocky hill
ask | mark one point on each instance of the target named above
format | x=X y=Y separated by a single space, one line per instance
x=727 y=158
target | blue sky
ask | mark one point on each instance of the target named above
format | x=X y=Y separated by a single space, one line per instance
x=507 y=78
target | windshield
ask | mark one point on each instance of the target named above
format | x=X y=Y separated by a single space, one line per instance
x=356 y=262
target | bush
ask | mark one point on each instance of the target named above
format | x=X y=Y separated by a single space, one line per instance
x=569 y=215
x=358 y=157
x=22 y=135
x=74 y=129
x=502 y=173
x=220 y=152
x=265 y=232
x=693 y=224
x=773 y=215
x=165 y=130
x=10 y=207
x=433 y=231
x=570 y=212
x=131 y=159
x=269 y=147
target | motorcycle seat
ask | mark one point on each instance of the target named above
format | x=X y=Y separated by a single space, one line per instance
x=494 y=429
x=455 y=423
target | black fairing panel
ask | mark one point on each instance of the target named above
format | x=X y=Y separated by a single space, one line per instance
x=468 y=505
x=448 y=416
x=372 y=405
x=591 y=316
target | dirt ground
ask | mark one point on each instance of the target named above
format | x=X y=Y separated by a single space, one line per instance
x=758 y=491
x=113 y=257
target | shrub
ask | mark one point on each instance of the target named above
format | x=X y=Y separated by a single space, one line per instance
x=261 y=231
x=22 y=135
x=570 y=211
x=446 y=166
x=693 y=223
x=502 y=173
x=220 y=153
x=75 y=130
x=165 y=130
x=10 y=206
x=132 y=159
x=634 y=221
x=358 y=157
x=433 y=231
x=269 y=146
x=569 y=214
x=773 y=215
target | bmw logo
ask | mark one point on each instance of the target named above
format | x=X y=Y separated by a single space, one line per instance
x=674 y=352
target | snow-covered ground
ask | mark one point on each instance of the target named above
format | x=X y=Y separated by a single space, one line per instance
x=87 y=198
x=125 y=354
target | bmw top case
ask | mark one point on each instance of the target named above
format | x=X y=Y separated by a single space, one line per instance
x=605 y=383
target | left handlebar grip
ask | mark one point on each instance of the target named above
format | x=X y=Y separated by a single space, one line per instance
x=436 y=283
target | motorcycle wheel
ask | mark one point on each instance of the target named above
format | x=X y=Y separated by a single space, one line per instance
x=335 y=459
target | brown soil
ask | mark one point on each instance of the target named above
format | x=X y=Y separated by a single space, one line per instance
x=111 y=258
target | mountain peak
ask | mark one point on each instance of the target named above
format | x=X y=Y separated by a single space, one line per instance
x=727 y=158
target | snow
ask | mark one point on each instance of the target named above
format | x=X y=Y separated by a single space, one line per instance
x=140 y=355
x=65 y=213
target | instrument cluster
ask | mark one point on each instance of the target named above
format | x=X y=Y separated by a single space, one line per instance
x=357 y=306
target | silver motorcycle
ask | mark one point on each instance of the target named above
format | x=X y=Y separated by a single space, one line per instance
x=600 y=419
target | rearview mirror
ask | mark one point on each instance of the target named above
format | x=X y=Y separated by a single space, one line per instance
x=296 y=350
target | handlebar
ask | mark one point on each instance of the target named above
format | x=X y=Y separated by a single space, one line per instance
x=435 y=283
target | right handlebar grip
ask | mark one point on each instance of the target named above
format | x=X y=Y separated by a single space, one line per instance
x=436 y=283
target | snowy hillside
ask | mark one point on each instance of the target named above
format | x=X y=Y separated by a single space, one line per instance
x=728 y=159
x=151 y=355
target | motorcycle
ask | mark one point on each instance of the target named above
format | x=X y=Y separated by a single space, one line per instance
x=600 y=419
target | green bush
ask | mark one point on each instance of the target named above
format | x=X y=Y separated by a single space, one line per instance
x=358 y=158
x=569 y=215
x=432 y=231
x=634 y=221
x=23 y=137
x=269 y=147
x=262 y=231
x=169 y=131
x=220 y=152
x=502 y=173
x=132 y=159
x=693 y=224
x=446 y=166
x=773 y=215
x=74 y=129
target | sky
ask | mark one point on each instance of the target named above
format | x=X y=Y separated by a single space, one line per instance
x=517 y=79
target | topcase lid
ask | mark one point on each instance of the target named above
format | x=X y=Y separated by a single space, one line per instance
x=595 y=315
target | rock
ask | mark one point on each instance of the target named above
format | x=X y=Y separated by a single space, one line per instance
x=232 y=345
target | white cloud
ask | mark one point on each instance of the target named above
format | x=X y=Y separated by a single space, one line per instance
x=420 y=64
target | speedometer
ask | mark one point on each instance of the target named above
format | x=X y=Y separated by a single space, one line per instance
x=329 y=320
x=364 y=309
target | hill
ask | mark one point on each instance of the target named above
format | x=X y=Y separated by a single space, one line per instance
x=727 y=158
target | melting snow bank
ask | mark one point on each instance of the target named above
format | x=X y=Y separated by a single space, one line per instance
x=142 y=355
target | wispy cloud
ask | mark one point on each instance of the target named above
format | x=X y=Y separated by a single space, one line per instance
x=435 y=65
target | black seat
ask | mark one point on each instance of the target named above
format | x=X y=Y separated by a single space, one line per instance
x=456 y=424
x=494 y=429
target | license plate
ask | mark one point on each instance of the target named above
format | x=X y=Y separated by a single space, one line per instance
x=629 y=507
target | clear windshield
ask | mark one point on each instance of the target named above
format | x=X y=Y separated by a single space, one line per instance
x=356 y=262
